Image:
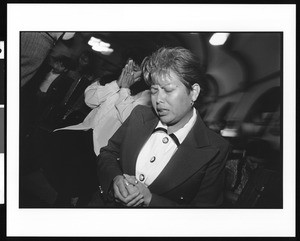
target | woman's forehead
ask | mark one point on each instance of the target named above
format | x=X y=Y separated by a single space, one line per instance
x=164 y=77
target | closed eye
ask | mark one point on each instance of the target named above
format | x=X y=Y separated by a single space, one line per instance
x=169 y=88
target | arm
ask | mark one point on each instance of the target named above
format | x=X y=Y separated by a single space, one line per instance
x=126 y=103
x=96 y=94
x=108 y=161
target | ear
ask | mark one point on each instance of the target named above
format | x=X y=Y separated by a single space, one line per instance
x=195 y=91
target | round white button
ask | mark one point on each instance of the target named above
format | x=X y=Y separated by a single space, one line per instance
x=152 y=159
x=141 y=177
x=165 y=140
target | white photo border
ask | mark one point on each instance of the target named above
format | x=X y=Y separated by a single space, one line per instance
x=151 y=17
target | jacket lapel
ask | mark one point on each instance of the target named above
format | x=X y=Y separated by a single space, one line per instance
x=141 y=133
x=193 y=153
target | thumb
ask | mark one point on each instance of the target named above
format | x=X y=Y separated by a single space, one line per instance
x=130 y=179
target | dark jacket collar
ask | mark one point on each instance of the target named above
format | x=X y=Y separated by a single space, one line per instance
x=197 y=136
x=193 y=153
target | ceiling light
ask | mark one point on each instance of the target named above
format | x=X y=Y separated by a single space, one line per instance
x=93 y=41
x=100 y=46
x=218 y=38
x=102 y=49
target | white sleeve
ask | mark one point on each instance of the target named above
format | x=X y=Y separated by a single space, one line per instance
x=126 y=103
x=96 y=94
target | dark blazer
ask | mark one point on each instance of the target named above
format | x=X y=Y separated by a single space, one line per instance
x=194 y=176
x=49 y=101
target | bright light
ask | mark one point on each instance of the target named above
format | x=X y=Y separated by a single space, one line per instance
x=100 y=46
x=102 y=49
x=229 y=132
x=94 y=41
x=218 y=38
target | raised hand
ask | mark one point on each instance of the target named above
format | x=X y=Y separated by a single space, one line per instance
x=131 y=73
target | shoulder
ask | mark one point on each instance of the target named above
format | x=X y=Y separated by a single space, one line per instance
x=213 y=138
x=143 y=112
x=218 y=141
x=217 y=137
x=142 y=109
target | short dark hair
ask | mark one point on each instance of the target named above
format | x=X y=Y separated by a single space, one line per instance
x=181 y=61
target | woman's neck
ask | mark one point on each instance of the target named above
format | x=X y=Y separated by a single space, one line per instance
x=181 y=123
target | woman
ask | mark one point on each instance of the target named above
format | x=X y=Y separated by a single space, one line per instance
x=165 y=156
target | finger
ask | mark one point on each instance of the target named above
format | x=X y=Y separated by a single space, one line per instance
x=137 y=76
x=131 y=197
x=123 y=189
x=126 y=182
x=120 y=189
x=122 y=74
x=138 y=203
x=135 y=200
x=130 y=64
x=126 y=68
x=132 y=80
x=132 y=180
x=118 y=195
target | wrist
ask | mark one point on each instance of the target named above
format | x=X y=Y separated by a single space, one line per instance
x=147 y=200
x=118 y=82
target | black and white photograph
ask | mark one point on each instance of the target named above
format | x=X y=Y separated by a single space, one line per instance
x=118 y=121
x=229 y=86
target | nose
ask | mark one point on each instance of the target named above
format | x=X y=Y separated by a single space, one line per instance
x=160 y=96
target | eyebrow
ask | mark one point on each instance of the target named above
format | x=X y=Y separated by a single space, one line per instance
x=156 y=85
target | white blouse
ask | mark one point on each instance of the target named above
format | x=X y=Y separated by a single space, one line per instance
x=111 y=106
x=158 y=150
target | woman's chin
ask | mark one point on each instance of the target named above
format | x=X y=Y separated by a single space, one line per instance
x=165 y=119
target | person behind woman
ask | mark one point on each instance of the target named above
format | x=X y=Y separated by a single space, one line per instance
x=70 y=165
x=165 y=156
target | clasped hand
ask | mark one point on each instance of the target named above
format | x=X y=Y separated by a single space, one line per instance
x=130 y=192
x=131 y=73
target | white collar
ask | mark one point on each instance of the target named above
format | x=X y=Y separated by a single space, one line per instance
x=182 y=132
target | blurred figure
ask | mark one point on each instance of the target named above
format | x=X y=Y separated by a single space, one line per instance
x=50 y=89
x=38 y=99
x=54 y=86
x=35 y=46
x=71 y=167
x=73 y=109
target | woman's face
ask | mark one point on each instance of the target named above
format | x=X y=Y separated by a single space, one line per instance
x=172 y=100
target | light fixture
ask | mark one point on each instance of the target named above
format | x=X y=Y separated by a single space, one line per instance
x=229 y=132
x=218 y=38
x=100 y=46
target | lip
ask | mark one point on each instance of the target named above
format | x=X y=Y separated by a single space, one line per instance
x=162 y=111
